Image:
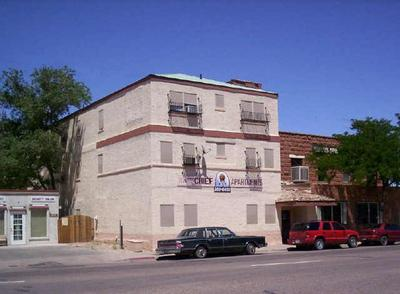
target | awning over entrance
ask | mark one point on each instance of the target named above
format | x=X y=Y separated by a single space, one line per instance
x=303 y=197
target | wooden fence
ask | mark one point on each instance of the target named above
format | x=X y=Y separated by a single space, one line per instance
x=75 y=228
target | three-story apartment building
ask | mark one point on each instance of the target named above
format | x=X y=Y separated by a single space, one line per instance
x=175 y=151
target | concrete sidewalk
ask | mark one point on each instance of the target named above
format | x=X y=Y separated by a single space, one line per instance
x=80 y=254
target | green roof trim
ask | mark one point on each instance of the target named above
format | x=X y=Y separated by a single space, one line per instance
x=195 y=79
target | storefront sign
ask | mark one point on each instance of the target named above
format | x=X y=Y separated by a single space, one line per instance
x=221 y=182
x=43 y=199
x=53 y=214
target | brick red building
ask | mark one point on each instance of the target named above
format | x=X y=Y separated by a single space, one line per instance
x=307 y=195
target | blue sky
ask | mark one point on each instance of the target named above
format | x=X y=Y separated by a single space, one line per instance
x=330 y=61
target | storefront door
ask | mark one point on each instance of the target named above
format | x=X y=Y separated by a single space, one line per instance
x=18 y=228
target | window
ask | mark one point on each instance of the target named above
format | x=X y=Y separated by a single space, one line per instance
x=326 y=227
x=190 y=215
x=194 y=233
x=189 y=154
x=253 y=111
x=166 y=152
x=101 y=120
x=269 y=158
x=219 y=101
x=167 y=215
x=39 y=223
x=270 y=215
x=212 y=233
x=100 y=163
x=183 y=102
x=252 y=216
x=251 y=158
x=336 y=213
x=220 y=150
x=346 y=178
x=224 y=232
x=337 y=226
x=367 y=213
x=1 y=222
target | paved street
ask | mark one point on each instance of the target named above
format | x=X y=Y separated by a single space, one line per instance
x=362 y=270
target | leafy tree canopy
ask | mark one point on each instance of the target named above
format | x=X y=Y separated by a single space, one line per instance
x=30 y=149
x=370 y=153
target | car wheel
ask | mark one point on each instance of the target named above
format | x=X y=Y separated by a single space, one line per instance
x=352 y=242
x=201 y=252
x=319 y=244
x=250 y=249
x=383 y=240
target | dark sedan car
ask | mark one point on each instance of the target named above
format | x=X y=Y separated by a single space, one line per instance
x=384 y=234
x=209 y=240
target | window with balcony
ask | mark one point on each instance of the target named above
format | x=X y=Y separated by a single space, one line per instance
x=189 y=154
x=253 y=161
x=184 y=103
x=253 y=111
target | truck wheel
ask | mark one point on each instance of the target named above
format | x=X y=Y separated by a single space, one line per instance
x=352 y=242
x=201 y=252
x=383 y=240
x=319 y=244
x=250 y=249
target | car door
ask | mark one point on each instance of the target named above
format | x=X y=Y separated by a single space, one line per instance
x=215 y=242
x=340 y=233
x=232 y=243
x=328 y=233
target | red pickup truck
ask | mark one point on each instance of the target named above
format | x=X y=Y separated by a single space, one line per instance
x=319 y=234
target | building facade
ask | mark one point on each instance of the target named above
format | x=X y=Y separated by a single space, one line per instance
x=28 y=217
x=174 y=151
x=308 y=195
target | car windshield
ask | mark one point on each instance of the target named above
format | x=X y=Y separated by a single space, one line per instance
x=306 y=226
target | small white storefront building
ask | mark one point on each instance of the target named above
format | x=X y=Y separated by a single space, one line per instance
x=28 y=217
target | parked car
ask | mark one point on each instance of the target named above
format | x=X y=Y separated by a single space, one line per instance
x=319 y=234
x=385 y=234
x=201 y=242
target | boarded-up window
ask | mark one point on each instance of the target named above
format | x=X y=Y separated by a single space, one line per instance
x=101 y=120
x=220 y=149
x=252 y=215
x=270 y=214
x=251 y=160
x=167 y=215
x=219 y=101
x=190 y=98
x=269 y=158
x=100 y=163
x=39 y=223
x=166 y=152
x=247 y=106
x=188 y=149
x=258 y=107
x=190 y=214
x=176 y=97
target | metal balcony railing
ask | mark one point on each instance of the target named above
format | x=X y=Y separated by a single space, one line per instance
x=253 y=116
x=300 y=174
x=189 y=160
x=185 y=108
x=253 y=163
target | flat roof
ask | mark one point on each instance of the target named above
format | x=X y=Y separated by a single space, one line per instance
x=178 y=77
x=195 y=79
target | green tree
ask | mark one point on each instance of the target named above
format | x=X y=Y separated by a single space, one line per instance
x=30 y=148
x=370 y=153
